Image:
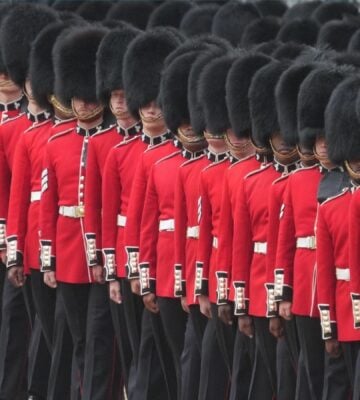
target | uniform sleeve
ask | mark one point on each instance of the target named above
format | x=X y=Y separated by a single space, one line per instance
x=181 y=218
x=111 y=197
x=326 y=278
x=18 y=204
x=133 y=220
x=242 y=252
x=5 y=180
x=286 y=249
x=224 y=253
x=93 y=207
x=205 y=241
x=354 y=256
x=149 y=237
x=48 y=214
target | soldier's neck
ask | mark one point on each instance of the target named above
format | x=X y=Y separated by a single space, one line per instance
x=155 y=128
x=243 y=154
x=126 y=122
x=90 y=124
x=34 y=108
x=218 y=146
x=9 y=97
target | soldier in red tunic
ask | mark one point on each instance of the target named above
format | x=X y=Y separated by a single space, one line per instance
x=63 y=252
x=334 y=298
x=143 y=63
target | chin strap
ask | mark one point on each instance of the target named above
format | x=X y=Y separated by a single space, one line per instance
x=150 y=119
x=355 y=176
x=91 y=115
x=189 y=139
x=65 y=111
x=210 y=136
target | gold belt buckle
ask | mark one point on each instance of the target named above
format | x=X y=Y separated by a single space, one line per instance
x=80 y=211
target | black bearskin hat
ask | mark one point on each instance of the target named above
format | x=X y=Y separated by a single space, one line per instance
x=286 y=96
x=109 y=61
x=196 y=110
x=264 y=120
x=212 y=94
x=237 y=87
x=314 y=94
x=267 y=48
x=328 y=11
x=142 y=67
x=259 y=31
x=232 y=18
x=336 y=35
x=66 y=5
x=18 y=30
x=94 y=10
x=275 y=8
x=135 y=12
x=289 y=51
x=198 y=20
x=4 y=9
x=354 y=43
x=304 y=31
x=342 y=126
x=301 y=10
x=75 y=60
x=169 y=13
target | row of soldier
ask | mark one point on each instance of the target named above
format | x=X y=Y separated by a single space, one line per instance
x=193 y=203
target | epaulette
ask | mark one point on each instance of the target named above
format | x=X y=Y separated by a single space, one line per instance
x=345 y=190
x=280 y=178
x=157 y=146
x=39 y=125
x=168 y=157
x=60 y=134
x=12 y=119
x=127 y=141
x=102 y=131
x=257 y=171
x=187 y=162
x=214 y=164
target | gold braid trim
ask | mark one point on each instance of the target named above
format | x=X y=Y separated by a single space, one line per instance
x=209 y=135
x=92 y=115
x=238 y=147
x=65 y=111
x=305 y=157
x=190 y=140
x=287 y=158
x=353 y=175
x=150 y=119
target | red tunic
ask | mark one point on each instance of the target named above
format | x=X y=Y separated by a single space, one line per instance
x=99 y=147
x=187 y=216
x=10 y=131
x=63 y=186
x=118 y=177
x=332 y=257
x=233 y=175
x=24 y=205
x=211 y=182
x=157 y=259
x=136 y=202
x=296 y=266
x=249 y=248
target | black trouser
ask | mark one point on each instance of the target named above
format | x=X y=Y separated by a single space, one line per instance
x=2 y=281
x=356 y=374
x=60 y=375
x=244 y=349
x=351 y=352
x=310 y=377
x=199 y=322
x=214 y=382
x=337 y=385
x=150 y=378
x=263 y=379
x=286 y=362
x=101 y=351
x=76 y=297
x=174 y=320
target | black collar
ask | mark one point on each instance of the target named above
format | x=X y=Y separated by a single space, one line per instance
x=264 y=158
x=15 y=105
x=217 y=157
x=132 y=131
x=88 y=132
x=38 y=117
x=153 y=141
x=190 y=155
x=286 y=169
x=323 y=169
x=233 y=159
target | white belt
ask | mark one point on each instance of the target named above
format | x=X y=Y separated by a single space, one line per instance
x=192 y=232
x=121 y=220
x=308 y=242
x=215 y=242
x=72 y=211
x=343 y=274
x=260 y=247
x=35 y=196
x=167 y=225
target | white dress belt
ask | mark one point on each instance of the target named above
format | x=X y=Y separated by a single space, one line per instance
x=308 y=242
x=167 y=225
x=343 y=274
x=192 y=232
x=35 y=196
x=260 y=247
x=72 y=211
x=121 y=220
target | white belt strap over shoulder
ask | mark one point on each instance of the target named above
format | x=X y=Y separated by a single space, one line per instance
x=215 y=242
x=167 y=225
x=192 y=232
x=343 y=274
x=35 y=196
x=121 y=220
x=308 y=242
x=260 y=247
x=72 y=211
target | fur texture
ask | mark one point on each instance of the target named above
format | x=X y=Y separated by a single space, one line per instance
x=301 y=10
x=259 y=31
x=275 y=8
x=170 y=13
x=328 y=11
x=198 y=20
x=304 y=31
x=95 y=10
x=135 y=12
x=288 y=51
x=336 y=35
